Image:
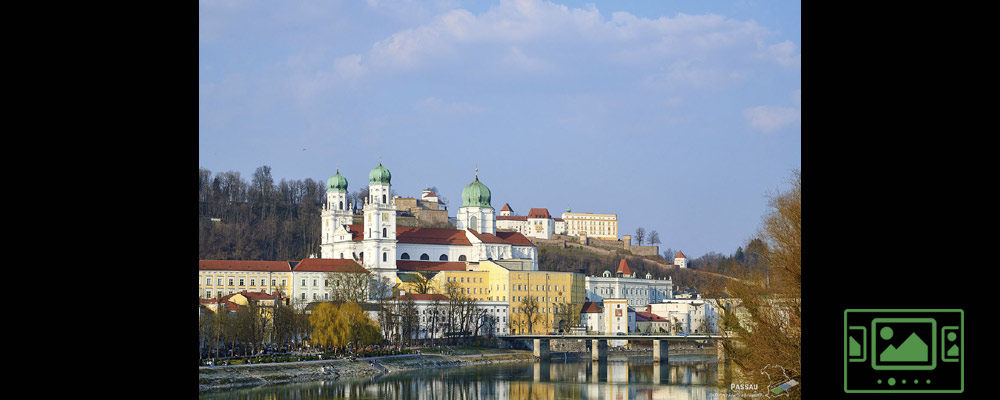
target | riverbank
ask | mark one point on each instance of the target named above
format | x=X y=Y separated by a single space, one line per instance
x=232 y=376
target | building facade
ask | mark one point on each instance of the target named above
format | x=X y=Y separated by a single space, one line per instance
x=689 y=315
x=601 y=226
x=538 y=223
x=623 y=284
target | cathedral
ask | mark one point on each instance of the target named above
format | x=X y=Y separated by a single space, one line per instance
x=390 y=248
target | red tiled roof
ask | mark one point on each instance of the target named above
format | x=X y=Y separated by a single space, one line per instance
x=411 y=265
x=431 y=194
x=539 y=213
x=512 y=217
x=680 y=255
x=506 y=207
x=514 y=238
x=422 y=296
x=240 y=265
x=648 y=316
x=486 y=237
x=357 y=232
x=329 y=265
x=260 y=295
x=623 y=268
x=557 y=219
x=432 y=236
x=590 y=307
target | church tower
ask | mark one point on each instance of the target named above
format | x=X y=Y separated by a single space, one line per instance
x=379 y=244
x=476 y=212
x=336 y=212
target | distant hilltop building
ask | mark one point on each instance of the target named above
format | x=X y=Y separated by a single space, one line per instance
x=538 y=223
x=680 y=260
x=596 y=226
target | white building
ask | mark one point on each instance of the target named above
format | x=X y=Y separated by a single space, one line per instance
x=694 y=315
x=475 y=239
x=315 y=279
x=592 y=317
x=623 y=284
x=433 y=310
x=680 y=260
x=599 y=226
x=538 y=223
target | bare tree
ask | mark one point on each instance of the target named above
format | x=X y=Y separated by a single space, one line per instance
x=765 y=309
x=640 y=235
x=654 y=238
x=528 y=314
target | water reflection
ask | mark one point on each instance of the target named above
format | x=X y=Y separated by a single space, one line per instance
x=691 y=378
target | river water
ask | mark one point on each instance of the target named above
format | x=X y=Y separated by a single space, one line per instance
x=684 y=377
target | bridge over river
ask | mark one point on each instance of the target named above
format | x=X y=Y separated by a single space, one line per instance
x=599 y=343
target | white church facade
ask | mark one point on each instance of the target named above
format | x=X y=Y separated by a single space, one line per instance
x=378 y=244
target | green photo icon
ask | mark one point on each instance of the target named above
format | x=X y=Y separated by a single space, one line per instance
x=904 y=351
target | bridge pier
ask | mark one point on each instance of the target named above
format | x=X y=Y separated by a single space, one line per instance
x=661 y=351
x=599 y=350
x=724 y=367
x=541 y=349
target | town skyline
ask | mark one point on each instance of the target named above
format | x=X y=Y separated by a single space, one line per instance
x=676 y=118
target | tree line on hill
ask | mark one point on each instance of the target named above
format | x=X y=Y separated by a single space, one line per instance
x=259 y=220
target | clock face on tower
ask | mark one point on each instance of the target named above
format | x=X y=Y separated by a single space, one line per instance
x=385 y=217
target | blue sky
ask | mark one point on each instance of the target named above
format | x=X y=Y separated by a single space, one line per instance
x=679 y=116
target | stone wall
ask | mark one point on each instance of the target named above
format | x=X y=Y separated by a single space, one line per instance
x=607 y=244
x=645 y=250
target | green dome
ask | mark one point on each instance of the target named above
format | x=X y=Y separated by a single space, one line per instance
x=476 y=194
x=379 y=176
x=336 y=183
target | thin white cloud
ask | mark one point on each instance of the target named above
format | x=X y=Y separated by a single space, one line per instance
x=769 y=119
x=563 y=34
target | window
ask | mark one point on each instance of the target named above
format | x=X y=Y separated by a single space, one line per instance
x=444 y=257
x=208 y=281
x=314 y=296
x=385 y=257
x=405 y=256
x=241 y=281
x=253 y=282
x=461 y=257
x=425 y=257
x=326 y=282
x=341 y=256
x=272 y=283
x=282 y=282
x=383 y=198
x=303 y=282
x=208 y=294
x=230 y=281
x=303 y=296
x=220 y=282
x=314 y=282
x=326 y=296
x=384 y=232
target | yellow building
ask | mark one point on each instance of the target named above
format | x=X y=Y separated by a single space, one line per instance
x=556 y=296
x=218 y=278
x=601 y=226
